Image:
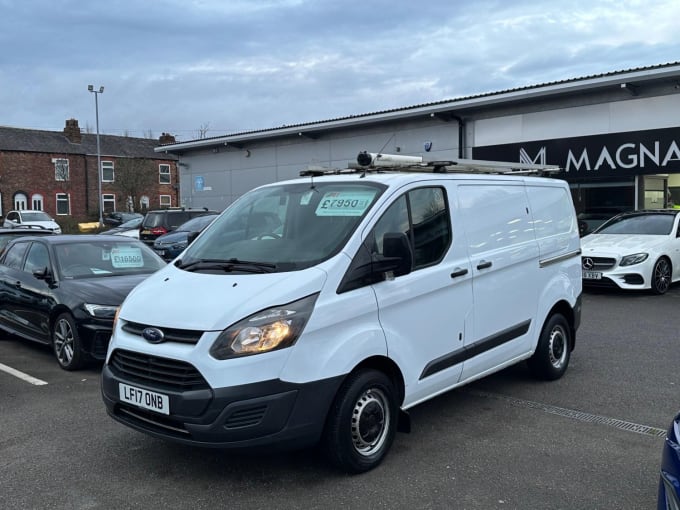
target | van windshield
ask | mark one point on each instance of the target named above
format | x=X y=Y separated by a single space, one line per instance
x=279 y=228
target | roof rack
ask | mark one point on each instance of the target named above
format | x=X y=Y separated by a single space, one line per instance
x=375 y=162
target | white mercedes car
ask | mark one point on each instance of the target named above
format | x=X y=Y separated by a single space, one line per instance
x=634 y=250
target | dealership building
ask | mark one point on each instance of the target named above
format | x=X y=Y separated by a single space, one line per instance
x=615 y=136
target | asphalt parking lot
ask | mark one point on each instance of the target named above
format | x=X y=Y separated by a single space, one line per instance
x=591 y=440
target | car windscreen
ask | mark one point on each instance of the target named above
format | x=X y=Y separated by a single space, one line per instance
x=35 y=216
x=89 y=259
x=285 y=227
x=196 y=224
x=646 y=224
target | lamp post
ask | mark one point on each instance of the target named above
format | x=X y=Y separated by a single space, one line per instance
x=99 y=154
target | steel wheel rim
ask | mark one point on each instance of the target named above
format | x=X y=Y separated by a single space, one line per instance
x=370 y=421
x=63 y=342
x=661 y=276
x=557 y=346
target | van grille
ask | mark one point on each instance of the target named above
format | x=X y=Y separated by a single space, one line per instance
x=156 y=371
x=185 y=336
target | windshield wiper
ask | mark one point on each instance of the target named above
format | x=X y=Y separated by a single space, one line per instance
x=227 y=265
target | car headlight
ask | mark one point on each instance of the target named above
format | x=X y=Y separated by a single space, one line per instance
x=268 y=330
x=101 y=311
x=179 y=246
x=636 y=258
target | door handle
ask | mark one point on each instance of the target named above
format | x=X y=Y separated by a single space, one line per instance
x=458 y=272
x=484 y=264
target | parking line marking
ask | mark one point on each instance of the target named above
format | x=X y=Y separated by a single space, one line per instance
x=21 y=375
x=576 y=415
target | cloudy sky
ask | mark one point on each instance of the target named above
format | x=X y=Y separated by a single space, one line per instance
x=215 y=67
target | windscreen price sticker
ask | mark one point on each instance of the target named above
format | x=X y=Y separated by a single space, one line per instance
x=122 y=258
x=344 y=203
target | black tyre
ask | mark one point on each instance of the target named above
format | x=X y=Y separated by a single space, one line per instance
x=66 y=343
x=661 y=276
x=553 y=351
x=362 y=422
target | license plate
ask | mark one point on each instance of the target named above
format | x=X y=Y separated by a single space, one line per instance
x=161 y=252
x=146 y=232
x=592 y=275
x=144 y=398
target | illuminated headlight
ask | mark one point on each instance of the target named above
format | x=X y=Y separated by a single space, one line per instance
x=268 y=330
x=636 y=258
x=101 y=311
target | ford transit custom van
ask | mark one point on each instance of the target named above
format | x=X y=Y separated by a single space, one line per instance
x=381 y=287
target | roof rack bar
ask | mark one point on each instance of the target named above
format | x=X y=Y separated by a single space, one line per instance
x=374 y=162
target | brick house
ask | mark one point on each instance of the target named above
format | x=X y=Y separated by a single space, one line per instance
x=57 y=172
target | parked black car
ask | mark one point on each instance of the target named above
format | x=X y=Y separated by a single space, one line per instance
x=173 y=243
x=116 y=218
x=8 y=234
x=161 y=221
x=63 y=290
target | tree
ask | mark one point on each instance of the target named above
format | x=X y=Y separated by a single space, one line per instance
x=134 y=178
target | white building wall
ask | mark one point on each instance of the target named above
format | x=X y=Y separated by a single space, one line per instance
x=229 y=172
x=615 y=117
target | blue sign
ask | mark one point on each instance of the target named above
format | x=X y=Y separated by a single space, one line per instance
x=198 y=183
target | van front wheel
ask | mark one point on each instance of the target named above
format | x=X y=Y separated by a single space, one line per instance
x=361 y=423
x=553 y=351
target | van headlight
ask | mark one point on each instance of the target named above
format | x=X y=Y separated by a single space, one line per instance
x=636 y=258
x=274 y=328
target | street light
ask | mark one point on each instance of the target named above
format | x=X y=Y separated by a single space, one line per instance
x=99 y=154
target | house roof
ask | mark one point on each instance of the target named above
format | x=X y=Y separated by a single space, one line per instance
x=634 y=76
x=56 y=142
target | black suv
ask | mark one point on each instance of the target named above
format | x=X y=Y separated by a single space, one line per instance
x=161 y=221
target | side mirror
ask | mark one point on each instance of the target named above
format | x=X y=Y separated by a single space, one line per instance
x=397 y=257
x=191 y=237
x=43 y=274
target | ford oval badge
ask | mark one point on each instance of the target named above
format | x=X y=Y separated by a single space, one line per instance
x=153 y=335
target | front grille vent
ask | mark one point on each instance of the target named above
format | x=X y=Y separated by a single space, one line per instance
x=599 y=263
x=159 y=372
x=246 y=417
x=185 y=336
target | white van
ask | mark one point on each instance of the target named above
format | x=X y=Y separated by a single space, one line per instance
x=374 y=292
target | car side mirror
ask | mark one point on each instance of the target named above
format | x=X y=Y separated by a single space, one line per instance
x=191 y=237
x=397 y=255
x=43 y=274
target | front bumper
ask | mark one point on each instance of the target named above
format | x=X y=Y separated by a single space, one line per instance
x=669 y=479
x=270 y=413
x=637 y=276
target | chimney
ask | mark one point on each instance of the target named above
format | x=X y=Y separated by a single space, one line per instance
x=72 y=131
x=166 y=139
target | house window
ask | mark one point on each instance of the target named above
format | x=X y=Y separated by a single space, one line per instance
x=63 y=204
x=37 y=202
x=107 y=171
x=144 y=203
x=20 y=201
x=166 y=200
x=109 y=202
x=164 y=174
x=60 y=169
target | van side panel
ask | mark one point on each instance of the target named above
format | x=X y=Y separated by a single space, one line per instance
x=559 y=246
x=504 y=257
